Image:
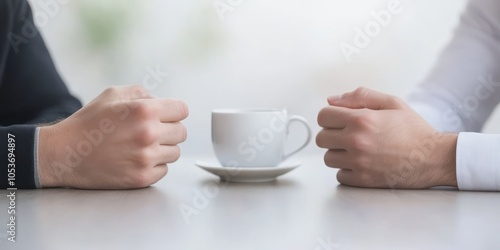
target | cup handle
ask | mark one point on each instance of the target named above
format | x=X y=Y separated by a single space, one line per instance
x=296 y=118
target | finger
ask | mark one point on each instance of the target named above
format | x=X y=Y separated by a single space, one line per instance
x=126 y=93
x=334 y=117
x=358 y=179
x=331 y=139
x=337 y=159
x=169 y=110
x=167 y=154
x=346 y=177
x=365 y=98
x=172 y=133
x=158 y=172
x=135 y=92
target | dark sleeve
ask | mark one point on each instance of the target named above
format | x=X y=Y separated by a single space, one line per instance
x=31 y=91
x=17 y=156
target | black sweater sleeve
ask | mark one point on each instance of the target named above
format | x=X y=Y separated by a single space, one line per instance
x=18 y=156
x=31 y=91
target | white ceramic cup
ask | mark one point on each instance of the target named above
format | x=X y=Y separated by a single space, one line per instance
x=253 y=137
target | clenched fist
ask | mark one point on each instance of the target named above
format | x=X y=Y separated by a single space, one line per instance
x=122 y=139
x=378 y=141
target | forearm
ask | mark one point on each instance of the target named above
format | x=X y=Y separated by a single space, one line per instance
x=468 y=161
x=443 y=160
x=51 y=165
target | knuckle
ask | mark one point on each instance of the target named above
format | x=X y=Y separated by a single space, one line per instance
x=179 y=108
x=360 y=92
x=113 y=90
x=147 y=136
x=364 y=120
x=329 y=159
x=358 y=120
x=360 y=143
x=398 y=102
x=184 y=110
x=360 y=162
x=141 y=179
x=142 y=110
x=137 y=92
x=143 y=159
x=342 y=177
x=365 y=179
x=118 y=106
x=322 y=116
x=183 y=133
x=137 y=87
x=320 y=139
x=175 y=154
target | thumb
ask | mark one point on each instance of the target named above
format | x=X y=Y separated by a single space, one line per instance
x=126 y=93
x=134 y=92
x=366 y=98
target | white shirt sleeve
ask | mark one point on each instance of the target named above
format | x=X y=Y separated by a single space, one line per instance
x=462 y=91
x=478 y=161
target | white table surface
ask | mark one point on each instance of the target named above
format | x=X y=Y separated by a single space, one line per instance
x=304 y=209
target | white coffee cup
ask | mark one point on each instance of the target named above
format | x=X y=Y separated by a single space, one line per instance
x=253 y=137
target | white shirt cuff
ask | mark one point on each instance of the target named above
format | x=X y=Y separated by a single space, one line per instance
x=478 y=161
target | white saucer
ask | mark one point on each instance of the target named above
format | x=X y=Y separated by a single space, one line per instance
x=247 y=174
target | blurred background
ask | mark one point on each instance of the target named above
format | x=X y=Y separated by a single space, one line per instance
x=243 y=53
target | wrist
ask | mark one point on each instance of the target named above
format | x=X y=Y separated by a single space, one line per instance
x=444 y=161
x=47 y=156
